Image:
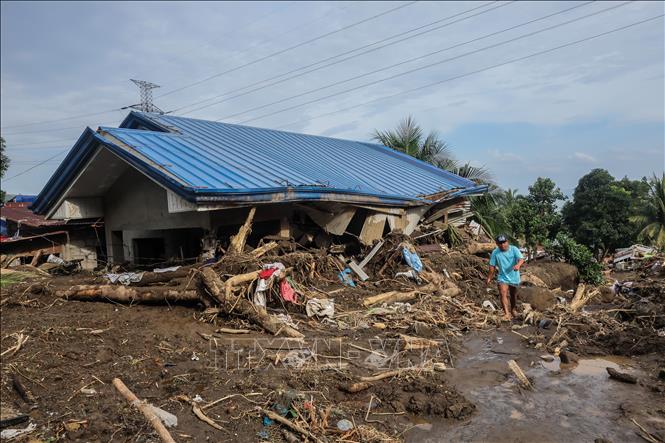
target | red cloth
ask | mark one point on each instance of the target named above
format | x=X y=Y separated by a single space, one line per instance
x=266 y=273
x=287 y=292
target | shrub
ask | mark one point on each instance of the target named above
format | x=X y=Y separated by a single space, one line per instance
x=580 y=256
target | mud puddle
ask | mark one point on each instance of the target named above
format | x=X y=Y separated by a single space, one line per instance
x=570 y=403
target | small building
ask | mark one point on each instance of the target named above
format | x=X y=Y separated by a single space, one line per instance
x=26 y=235
x=169 y=187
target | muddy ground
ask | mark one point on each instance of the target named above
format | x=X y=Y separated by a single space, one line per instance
x=164 y=352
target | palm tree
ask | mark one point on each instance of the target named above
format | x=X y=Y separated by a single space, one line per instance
x=479 y=174
x=409 y=138
x=652 y=218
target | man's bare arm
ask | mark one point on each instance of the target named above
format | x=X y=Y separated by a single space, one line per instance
x=519 y=264
x=490 y=276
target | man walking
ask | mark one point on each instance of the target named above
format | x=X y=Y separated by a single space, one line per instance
x=506 y=261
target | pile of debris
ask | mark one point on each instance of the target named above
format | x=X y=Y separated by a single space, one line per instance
x=414 y=293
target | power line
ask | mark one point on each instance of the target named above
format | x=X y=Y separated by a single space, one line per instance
x=319 y=62
x=478 y=71
x=73 y=117
x=13 y=145
x=401 y=74
x=290 y=48
x=427 y=55
x=35 y=166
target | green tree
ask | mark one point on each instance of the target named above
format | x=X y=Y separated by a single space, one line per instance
x=651 y=218
x=599 y=214
x=4 y=165
x=534 y=217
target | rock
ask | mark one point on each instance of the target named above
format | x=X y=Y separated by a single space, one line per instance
x=568 y=357
x=422 y=329
x=540 y=299
x=547 y=357
x=344 y=425
x=621 y=376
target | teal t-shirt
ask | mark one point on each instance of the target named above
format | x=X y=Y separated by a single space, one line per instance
x=504 y=262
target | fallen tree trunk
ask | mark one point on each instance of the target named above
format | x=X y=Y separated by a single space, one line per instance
x=128 y=294
x=390 y=297
x=150 y=278
x=242 y=306
x=238 y=241
x=479 y=248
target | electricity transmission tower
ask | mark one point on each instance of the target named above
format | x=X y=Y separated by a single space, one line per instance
x=146 y=104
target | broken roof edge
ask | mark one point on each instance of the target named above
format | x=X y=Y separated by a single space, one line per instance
x=148 y=120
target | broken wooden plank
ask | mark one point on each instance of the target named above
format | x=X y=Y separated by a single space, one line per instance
x=358 y=270
x=371 y=254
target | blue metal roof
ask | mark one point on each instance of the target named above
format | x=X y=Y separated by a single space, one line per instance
x=211 y=161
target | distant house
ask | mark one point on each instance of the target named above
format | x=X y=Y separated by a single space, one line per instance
x=168 y=186
x=26 y=235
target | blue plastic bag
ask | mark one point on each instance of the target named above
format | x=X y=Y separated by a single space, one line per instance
x=345 y=278
x=412 y=259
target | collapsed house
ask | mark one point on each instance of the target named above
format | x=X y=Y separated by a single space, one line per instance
x=28 y=238
x=174 y=188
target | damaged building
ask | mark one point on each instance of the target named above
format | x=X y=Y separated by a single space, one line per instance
x=175 y=189
x=29 y=238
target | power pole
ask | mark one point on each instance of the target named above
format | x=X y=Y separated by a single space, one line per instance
x=146 y=104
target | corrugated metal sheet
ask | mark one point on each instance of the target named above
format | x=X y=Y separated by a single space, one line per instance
x=204 y=161
x=213 y=157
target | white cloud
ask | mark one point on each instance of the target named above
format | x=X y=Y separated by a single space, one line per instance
x=581 y=156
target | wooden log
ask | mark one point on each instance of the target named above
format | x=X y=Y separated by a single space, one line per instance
x=242 y=306
x=390 y=297
x=128 y=294
x=150 y=278
x=474 y=248
x=234 y=281
x=145 y=409
x=409 y=342
x=524 y=381
x=238 y=241
x=35 y=259
x=258 y=252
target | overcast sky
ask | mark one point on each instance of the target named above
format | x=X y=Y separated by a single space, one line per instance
x=599 y=103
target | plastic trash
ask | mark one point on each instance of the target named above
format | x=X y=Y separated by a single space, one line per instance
x=344 y=425
x=345 y=277
x=166 y=417
x=320 y=307
x=411 y=258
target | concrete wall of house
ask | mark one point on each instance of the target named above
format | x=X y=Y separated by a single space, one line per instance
x=138 y=207
x=82 y=246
